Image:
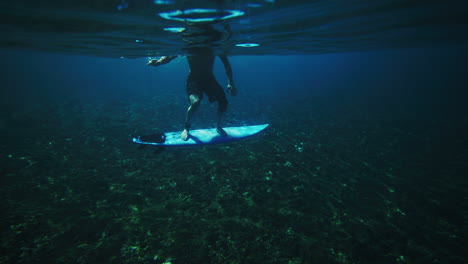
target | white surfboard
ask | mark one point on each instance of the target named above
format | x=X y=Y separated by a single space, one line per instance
x=200 y=136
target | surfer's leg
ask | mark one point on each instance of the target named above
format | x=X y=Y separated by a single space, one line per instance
x=194 y=104
x=222 y=107
x=219 y=129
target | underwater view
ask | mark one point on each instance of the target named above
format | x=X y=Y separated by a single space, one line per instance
x=364 y=159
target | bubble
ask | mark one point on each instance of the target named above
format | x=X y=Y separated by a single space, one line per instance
x=247 y=45
x=197 y=15
x=174 y=29
x=254 y=5
x=163 y=2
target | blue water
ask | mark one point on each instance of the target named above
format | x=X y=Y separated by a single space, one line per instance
x=131 y=28
x=364 y=161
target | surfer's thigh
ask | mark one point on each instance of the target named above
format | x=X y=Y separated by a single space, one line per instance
x=194 y=92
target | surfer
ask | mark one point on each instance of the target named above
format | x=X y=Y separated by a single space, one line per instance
x=201 y=79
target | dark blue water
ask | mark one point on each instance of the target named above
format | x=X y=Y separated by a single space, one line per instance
x=135 y=29
x=364 y=161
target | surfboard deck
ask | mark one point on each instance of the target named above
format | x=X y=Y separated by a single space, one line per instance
x=200 y=136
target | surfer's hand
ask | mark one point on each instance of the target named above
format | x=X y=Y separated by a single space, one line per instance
x=232 y=89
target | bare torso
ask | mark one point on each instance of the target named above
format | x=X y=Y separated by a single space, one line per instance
x=201 y=61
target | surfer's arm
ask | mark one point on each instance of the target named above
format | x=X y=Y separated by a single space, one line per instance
x=161 y=61
x=227 y=67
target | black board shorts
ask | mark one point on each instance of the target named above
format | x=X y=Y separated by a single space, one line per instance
x=210 y=87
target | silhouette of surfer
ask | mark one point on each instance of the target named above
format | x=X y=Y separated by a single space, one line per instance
x=201 y=39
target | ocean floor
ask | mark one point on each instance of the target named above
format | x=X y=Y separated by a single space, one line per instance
x=320 y=185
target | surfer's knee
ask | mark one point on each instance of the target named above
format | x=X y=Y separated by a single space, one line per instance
x=194 y=100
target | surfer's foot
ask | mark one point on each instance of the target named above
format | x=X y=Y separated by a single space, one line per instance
x=221 y=131
x=185 y=135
